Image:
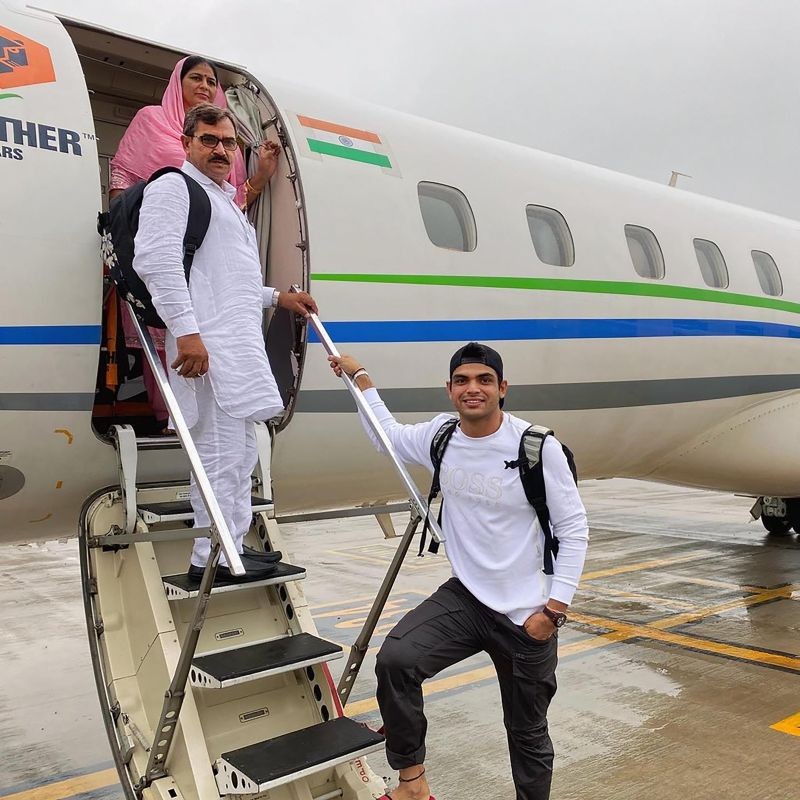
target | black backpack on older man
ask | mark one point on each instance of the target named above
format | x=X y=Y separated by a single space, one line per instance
x=118 y=227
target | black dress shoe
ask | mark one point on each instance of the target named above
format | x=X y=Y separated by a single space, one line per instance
x=271 y=557
x=254 y=571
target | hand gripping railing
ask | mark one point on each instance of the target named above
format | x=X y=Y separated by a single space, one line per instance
x=416 y=499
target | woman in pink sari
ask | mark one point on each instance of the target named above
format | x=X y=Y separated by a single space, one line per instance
x=152 y=141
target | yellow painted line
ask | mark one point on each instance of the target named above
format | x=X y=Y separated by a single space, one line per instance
x=710 y=611
x=391 y=605
x=369 y=559
x=790 y=725
x=692 y=643
x=428 y=688
x=643 y=565
x=67 y=788
x=342 y=602
x=714 y=584
x=649 y=598
x=358 y=622
x=462 y=679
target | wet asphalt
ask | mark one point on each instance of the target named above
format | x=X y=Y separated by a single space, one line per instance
x=679 y=672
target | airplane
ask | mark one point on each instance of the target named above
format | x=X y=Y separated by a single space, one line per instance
x=653 y=329
x=667 y=378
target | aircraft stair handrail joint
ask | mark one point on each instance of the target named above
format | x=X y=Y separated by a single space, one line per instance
x=417 y=500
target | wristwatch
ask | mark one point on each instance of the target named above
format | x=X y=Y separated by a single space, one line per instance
x=558 y=618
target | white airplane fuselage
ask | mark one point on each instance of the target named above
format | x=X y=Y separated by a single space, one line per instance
x=665 y=379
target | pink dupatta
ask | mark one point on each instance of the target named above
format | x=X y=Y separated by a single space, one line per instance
x=153 y=139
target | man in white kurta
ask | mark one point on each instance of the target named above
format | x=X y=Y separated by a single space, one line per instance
x=215 y=343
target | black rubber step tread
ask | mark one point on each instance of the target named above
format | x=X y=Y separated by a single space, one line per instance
x=158 y=443
x=175 y=507
x=302 y=750
x=265 y=657
x=282 y=574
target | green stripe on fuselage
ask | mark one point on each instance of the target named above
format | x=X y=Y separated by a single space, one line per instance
x=569 y=285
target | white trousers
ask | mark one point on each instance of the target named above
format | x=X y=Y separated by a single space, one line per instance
x=227 y=448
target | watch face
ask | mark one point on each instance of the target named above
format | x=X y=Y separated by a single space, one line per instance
x=558 y=618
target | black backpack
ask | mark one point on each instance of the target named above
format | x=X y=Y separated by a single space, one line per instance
x=118 y=227
x=531 y=473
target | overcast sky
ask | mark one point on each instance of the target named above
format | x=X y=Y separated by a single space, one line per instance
x=706 y=87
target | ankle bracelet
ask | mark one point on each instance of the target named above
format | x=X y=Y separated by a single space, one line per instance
x=411 y=780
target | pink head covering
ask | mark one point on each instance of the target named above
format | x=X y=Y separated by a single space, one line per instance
x=153 y=139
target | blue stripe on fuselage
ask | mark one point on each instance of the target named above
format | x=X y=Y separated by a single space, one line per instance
x=529 y=329
x=460 y=330
x=49 y=334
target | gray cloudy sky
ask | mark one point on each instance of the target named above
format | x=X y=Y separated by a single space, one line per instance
x=707 y=87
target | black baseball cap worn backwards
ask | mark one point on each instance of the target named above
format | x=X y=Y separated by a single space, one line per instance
x=477 y=353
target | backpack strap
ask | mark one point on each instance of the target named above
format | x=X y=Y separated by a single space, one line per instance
x=199 y=216
x=438 y=445
x=531 y=473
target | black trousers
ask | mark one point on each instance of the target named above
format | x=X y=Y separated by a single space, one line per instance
x=449 y=626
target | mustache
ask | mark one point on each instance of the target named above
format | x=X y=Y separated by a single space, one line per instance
x=221 y=159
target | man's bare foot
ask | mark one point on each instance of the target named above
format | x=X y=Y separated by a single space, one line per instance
x=413 y=785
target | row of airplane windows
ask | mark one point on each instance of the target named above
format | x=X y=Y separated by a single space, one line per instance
x=450 y=223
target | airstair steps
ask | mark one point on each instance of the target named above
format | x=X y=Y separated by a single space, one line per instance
x=183 y=587
x=264 y=765
x=229 y=667
x=181 y=510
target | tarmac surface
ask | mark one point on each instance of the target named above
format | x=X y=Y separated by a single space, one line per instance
x=679 y=672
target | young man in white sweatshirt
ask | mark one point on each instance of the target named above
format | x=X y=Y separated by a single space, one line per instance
x=499 y=600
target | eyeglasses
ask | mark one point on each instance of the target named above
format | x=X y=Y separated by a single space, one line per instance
x=210 y=141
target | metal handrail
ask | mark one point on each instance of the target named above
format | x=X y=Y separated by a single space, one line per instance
x=218 y=524
x=417 y=500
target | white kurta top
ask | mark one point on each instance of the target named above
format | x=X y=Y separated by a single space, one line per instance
x=224 y=301
x=493 y=538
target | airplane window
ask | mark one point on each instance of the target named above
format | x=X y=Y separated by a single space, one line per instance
x=448 y=217
x=648 y=260
x=551 y=236
x=768 y=275
x=712 y=264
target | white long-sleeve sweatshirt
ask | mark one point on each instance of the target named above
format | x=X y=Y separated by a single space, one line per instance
x=493 y=539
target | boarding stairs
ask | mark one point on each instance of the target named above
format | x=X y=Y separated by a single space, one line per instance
x=216 y=687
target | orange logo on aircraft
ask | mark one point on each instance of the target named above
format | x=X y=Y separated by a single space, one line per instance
x=23 y=61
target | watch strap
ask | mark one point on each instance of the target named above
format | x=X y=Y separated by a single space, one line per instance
x=558 y=618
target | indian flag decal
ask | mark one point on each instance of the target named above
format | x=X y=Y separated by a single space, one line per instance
x=341 y=141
